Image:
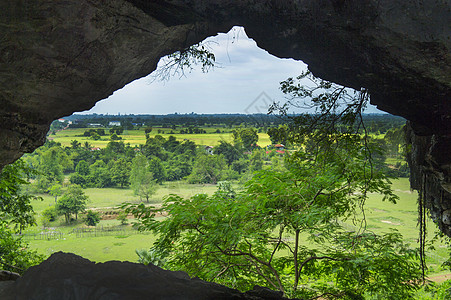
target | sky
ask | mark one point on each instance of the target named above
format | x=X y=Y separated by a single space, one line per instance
x=245 y=80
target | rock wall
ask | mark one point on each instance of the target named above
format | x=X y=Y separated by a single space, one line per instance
x=430 y=173
x=57 y=57
x=71 y=277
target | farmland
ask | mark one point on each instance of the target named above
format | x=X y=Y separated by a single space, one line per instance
x=381 y=216
x=136 y=137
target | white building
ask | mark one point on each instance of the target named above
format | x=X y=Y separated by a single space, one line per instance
x=114 y=123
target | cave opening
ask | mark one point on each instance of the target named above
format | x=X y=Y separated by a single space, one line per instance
x=91 y=49
x=240 y=87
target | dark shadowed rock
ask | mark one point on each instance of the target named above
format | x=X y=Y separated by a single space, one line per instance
x=8 y=275
x=71 y=277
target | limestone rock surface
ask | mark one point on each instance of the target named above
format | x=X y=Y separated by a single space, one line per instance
x=71 y=277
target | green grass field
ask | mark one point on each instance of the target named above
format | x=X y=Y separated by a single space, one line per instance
x=381 y=216
x=104 y=248
x=136 y=137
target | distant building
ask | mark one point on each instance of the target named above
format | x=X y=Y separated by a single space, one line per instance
x=279 y=146
x=114 y=123
x=95 y=125
x=95 y=149
x=61 y=120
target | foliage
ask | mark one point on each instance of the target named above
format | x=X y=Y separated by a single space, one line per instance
x=208 y=169
x=138 y=172
x=16 y=211
x=122 y=217
x=120 y=172
x=246 y=137
x=260 y=237
x=100 y=175
x=279 y=135
x=82 y=168
x=141 y=178
x=55 y=190
x=435 y=291
x=15 y=205
x=148 y=257
x=49 y=215
x=229 y=151
x=255 y=161
x=92 y=218
x=185 y=60
x=14 y=253
x=285 y=230
x=148 y=187
x=51 y=163
x=73 y=201
x=157 y=169
x=75 y=144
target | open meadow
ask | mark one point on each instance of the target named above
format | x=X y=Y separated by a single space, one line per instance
x=104 y=244
x=121 y=244
x=136 y=137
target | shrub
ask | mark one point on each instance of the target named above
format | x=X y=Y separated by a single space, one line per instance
x=92 y=218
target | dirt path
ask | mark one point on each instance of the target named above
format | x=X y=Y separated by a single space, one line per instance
x=440 y=278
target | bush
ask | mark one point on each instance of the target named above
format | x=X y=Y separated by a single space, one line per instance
x=115 y=137
x=92 y=218
x=14 y=253
x=76 y=178
x=122 y=217
x=49 y=215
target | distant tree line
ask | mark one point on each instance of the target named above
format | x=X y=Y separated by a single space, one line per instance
x=376 y=122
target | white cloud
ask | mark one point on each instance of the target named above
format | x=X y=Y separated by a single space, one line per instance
x=245 y=72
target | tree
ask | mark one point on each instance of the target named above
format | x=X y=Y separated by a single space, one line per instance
x=73 y=201
x=285 y=229
x=255 y=161
x=75 y=144
x=141 y=178
x=15 y=204
x=122 y=217
x=259 y=236
x=120 y=172
x=230 y=152
x=240 y=165
x=279 y=135
x=16 y=212
x=156 y=168
x=55 y=190
x=147 y=130
x=92 y=218
x=207 y=169
x=51 y=164
x=87 y=145
x=100 y=174
x=138 y=172
x=247 y=137
x=115 y=137
x=15 y=256
x=148 y=186
x=82 y=168
x=48 y=215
